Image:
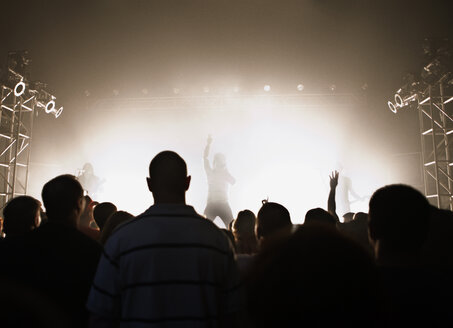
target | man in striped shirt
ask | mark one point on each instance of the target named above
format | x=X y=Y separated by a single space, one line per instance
x=169 y=267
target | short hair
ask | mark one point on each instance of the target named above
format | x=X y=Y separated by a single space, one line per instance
x=168 y=171
x=319 y=215
x=271 y=218
x=113 y=222
x=102 y=212
x=400 y=215
x=20 y=215
x=61 y=196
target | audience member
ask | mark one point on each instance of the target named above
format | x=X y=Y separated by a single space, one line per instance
x=416 y=295
x=244 y=233
x=315 y=278
x=102 y=212
x=357 y=229
x=115 y=220
x=21 y=215
x=86 y=220
x=319 y=215
x=57 y=260
x=273 y=222
x=169 y=267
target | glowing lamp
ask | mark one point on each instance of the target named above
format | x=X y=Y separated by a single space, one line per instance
x=58 y=112
x=50 y=107
x=300 y=87
x=19 y=89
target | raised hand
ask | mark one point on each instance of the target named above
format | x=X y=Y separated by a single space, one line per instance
x=333 y=179
x=209 y=140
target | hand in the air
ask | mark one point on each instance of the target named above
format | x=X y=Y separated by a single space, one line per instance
x=333 y=179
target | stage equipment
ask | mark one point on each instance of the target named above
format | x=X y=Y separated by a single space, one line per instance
x=431 y=93
x=19 y=102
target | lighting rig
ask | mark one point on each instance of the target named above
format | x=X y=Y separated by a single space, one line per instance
x=431 y=94
x=20 y=101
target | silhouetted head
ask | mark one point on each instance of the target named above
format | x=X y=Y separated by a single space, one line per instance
x=63 y=199
x=168 y=180
x=315 y=278
x=115 y=220
x=348 y=217
x=244 y=232
x=219 y=161
x=21 y=215
x=102 y=212
x=272 y=217
x=399 y=217
x=360 y=217
x=244 y=224
x=319 y=215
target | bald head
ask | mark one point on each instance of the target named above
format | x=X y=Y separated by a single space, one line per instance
x=168 y=180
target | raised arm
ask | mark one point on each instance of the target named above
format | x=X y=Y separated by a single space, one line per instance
x=207 y=166
x=331 y=205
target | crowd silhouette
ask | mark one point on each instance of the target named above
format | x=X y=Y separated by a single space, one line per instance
x=79 y=263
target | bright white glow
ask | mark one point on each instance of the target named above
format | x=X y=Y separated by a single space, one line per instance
x=332 y=87
x=272 y=151
x=300 y=87
x=19 y=89
x=206 y=89
x=58 y=112
x=430 y=163
x=392 y=107
x=50 y=107
x=267 y=88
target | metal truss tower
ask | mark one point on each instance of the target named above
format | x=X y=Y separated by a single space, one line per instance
x=16 y=125
x=435 y=108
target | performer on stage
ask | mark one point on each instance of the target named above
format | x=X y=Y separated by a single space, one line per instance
x=219 y=180
x=345 y=189
x=90 y=182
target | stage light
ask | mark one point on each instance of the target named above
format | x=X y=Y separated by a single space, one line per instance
x=332 y=87
x=300 y=87
x=392 y=107
x=58 y=112
x=267 y=88
x=50 y=107
x=19 y=89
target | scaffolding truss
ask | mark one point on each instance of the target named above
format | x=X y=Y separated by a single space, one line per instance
x=435 y=108
x=16 y=125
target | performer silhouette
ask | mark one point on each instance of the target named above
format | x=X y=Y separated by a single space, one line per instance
x=219 y=180
x=90 y=182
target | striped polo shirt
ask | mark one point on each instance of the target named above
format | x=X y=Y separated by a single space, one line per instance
x=169 y=267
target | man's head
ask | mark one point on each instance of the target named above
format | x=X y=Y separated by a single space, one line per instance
x=219 y=161
x=21 y=215
x=168 y=180
x=319 y=215
x=63 y=199
x=399 y=217
x=272 y=218
x=102 y=212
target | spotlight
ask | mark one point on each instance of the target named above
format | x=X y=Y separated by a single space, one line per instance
x=332 y=87
x=19 y=89
x=300 y=87
x=267 y=88
x=50 y=107
x=58 y=112
x=392 y=107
